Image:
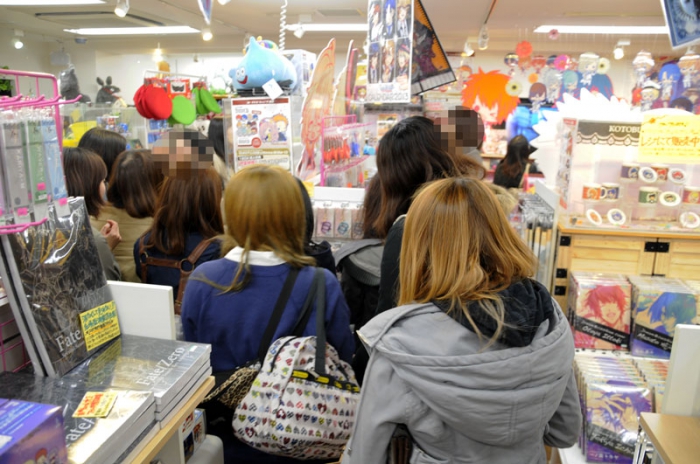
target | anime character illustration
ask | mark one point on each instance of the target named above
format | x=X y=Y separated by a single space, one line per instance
x=689 y=65
x=282 y=123
x=551 y=78
x=317 y=105
x=682 y=103
x=373 y=68
x=588 y=67
x=388 y=61
x=375 y=21
x=423 y=53
x=523 y=119
x=403 y=20
x=486 y=94
x=671 y=309
x=693 y=95
x=650 y=92
x=389 y=12
x=570 y=81
x=608 y=305
x=268 y=131
x=42 y=456
x=669 y=80
x=403 y=59
x=643 y=63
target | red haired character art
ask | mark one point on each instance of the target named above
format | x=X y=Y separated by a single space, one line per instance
x=607 y=305
x=486 y=94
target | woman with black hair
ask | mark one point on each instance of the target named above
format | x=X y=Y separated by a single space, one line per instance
x=321 y=252
x=106 y=143
x=511 y=169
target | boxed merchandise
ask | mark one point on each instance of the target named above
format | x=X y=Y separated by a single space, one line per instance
x=325 y=220
x=193 y=432
x=658 y=305
x=343 y=221
x=31 y=432
x=600 y=310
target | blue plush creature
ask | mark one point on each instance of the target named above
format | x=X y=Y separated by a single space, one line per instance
x=261 y=64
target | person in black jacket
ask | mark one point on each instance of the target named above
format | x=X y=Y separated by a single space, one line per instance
x=511 y=169
x=321 y=252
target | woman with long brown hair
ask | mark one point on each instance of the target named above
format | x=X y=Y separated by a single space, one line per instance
x=187 y=217
x=229 y=301
x=131 y=196
x=477 y=360
x=512 y=168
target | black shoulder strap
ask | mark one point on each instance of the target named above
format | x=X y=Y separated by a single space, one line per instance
x=320 y=281
x=308 y=307
x=277 y=312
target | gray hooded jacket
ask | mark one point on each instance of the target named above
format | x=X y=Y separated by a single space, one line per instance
x=500 y=405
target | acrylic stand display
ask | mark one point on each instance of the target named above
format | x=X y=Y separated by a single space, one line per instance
x=343 y=142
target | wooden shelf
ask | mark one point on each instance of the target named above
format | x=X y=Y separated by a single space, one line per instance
x=675 y=438
x=564 y=229
x=168 y=429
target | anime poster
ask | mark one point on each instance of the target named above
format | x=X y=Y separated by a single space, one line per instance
x=261 y=132
x=342 y=104
x=683 y=21
x=430 y=67
x=390 y=51
x=317 y=105
x=602 y=314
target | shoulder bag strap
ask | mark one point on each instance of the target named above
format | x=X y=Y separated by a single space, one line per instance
x=320 y=281
x=277 y=312
x=143 y=257
x=185 y=273
x=308 y=307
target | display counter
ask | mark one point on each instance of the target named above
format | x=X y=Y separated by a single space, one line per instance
x=675 y=438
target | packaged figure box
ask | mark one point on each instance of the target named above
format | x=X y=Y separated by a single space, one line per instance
x=31 y=432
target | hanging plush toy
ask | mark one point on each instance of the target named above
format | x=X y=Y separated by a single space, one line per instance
x=261 y=64
x=107 y=92
x=70 y=89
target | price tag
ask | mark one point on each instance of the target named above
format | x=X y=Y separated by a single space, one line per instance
x=96 y=404
x=100 y=325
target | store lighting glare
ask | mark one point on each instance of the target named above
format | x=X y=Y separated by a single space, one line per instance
x=155 y=30
x=49 y=2
x=483 y=41
x=325 y=27
x=122 y=8
x=223 y=2
x=206 y=34
x=468 y=50
x=619 y=53
x=299 y=33
x=18 y=44
x=617 y=30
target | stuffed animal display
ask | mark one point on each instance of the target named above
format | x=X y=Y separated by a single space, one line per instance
x=106 y=94
x=69 y=87
x=261 y=64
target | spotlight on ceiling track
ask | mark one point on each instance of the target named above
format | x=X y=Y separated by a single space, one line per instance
x=619 y=51
x=299 y=32
x=483 y=41
x=468 y=50
x=122 y=8
x=17 y=39
x=206 y=34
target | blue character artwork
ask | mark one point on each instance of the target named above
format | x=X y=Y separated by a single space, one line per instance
x=524 y=118
x=260 y=65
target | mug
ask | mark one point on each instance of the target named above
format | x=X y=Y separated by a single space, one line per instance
x=610 y=191
x=630 y=171
x=691 y=195
x=648 y=195
x=661 y=172
x=591 y=192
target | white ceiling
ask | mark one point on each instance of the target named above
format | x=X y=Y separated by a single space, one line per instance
x=454 y=20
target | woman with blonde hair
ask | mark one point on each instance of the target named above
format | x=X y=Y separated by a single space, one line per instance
x=476 y=362
x=228 y=302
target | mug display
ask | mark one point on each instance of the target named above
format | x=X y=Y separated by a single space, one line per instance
x=648 y=175
x=677 y=176
x=591 y=191
x=648 y=195
x=610 y=191
x=670 y=199
x=661 y=172
x=691 y=195
x=630 y=171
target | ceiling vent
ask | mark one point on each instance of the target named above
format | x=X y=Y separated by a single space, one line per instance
x=83 y=19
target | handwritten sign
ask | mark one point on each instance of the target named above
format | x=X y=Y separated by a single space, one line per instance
x=670 y=138
x=96 y=404
x=100 y=325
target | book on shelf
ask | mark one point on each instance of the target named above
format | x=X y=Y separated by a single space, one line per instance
x=61 y=289
x=90 y=440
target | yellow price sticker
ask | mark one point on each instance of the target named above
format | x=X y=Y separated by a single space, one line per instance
x=100 y=325
x=96 y=404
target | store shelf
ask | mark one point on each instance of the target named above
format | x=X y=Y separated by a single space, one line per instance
x=572 y=455
x=675 y=438
x=170 y=428
x=627 y=232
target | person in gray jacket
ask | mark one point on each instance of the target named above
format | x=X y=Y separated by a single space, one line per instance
x=476 y=361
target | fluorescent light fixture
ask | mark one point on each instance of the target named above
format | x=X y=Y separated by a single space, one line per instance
x=49 y=2
x=134 y=30
x=122 y=8
x=618 y=30
x=206 y=34
x=325 y=27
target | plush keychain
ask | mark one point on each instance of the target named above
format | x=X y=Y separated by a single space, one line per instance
x=106 y=94
x=69 y=86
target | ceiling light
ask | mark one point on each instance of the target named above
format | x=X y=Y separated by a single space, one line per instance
x=325 y=27
x=17 y=43
x=49 y=2
x=618 y=53
x=468 y=50
x=617 y=30
x=483 y=41
x=158 y=54
x=156 y=30
x=122 y=8
x=299 y=32
x=206 y=34
x=223 y=2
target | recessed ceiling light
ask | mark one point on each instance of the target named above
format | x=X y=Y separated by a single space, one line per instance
x=322 y=27
x=618 y=30
x=134 y=30
x=49 y=2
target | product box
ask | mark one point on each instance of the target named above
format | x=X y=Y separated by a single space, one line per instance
x=31 y=432
x=193 y=432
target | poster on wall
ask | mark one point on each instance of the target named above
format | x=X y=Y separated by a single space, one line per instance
x=390 y=51
x=683 y=22
x=430 y=68
x=261 y=132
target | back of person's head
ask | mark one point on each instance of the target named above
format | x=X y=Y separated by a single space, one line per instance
x=308 y=213
x=216 y=136
x=371 y=207
x=106 y=143
x=517 y=155
x=265 y=212
x=85 y=172
x=408 y=156
x=458 y=247
x=461 y=129
x=133 y=185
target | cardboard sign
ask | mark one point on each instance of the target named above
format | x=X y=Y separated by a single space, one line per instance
x=100 y=325
x=670 y=139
